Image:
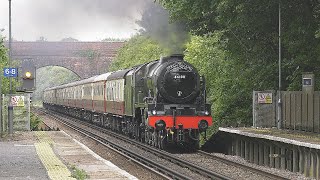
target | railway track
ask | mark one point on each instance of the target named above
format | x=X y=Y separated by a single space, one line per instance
x=173 y=158
x=181 y=166
x=237 y=164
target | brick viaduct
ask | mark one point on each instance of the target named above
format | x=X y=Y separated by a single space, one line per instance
x=86 y=59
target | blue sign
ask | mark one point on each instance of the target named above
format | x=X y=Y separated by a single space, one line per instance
x=10 y=72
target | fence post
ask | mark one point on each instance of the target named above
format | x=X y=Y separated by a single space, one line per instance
x=28 y=118
x=254 y=119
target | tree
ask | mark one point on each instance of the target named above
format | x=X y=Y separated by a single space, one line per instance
x=138 y=50
x=248 y=34
x=4 y=64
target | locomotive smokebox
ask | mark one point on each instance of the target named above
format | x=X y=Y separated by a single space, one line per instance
x=176 y=80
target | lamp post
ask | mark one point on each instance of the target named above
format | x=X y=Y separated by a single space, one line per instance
x=10 y=107
x=279 y=121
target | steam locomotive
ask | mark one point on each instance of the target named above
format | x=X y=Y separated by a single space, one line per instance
x=161 y=103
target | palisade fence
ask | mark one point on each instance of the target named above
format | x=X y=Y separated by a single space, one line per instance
x=300 y=110
x=21 y=112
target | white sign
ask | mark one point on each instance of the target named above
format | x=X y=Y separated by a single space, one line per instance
x=265 y=98
x=17 y=101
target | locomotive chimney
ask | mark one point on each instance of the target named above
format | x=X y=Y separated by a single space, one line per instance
x=178 y=56
x=161 y=59
x=175 y=56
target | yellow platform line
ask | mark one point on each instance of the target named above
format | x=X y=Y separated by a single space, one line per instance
x=43 y=137
x=55 y=168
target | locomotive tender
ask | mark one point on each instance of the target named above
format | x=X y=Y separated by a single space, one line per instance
x=161 y=102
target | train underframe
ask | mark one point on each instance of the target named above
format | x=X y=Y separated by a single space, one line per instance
x=134 y=128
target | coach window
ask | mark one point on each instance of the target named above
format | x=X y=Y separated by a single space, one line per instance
x=107 y=91
x=121 y=91
x=114 y=91
x=87 y=91
x=117 y=91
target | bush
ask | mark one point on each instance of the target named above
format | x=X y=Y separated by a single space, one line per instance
x=35 y=122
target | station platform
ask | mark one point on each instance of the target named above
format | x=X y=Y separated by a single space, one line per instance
x=295 y=151
x=52 y=155
x=299 y=138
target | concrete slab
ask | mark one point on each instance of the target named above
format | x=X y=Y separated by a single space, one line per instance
x=19 y=160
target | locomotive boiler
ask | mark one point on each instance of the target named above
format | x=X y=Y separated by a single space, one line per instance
x=162 y=102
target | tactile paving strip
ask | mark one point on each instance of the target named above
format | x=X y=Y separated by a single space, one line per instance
x=55 y=168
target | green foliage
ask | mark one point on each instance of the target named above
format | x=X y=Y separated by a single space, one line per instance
x=224 y=82
x=5 y=87
x=137 y=50
x=52 y=76
x=35 y=121
x=239 y=40
x=79 y=174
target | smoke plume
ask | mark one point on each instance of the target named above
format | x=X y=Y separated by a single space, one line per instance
x=155 y=23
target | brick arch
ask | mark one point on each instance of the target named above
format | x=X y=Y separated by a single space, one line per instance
x=84 y=58
x=38 y=67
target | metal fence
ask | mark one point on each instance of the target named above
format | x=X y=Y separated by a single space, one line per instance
x=300 y=110
x=21 y=112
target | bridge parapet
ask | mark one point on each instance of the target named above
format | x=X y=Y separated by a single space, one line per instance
x=84 y=58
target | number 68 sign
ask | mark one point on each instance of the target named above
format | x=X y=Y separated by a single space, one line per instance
x=10 y=72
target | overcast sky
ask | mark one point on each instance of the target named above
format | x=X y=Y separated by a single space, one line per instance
x=85 y=20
